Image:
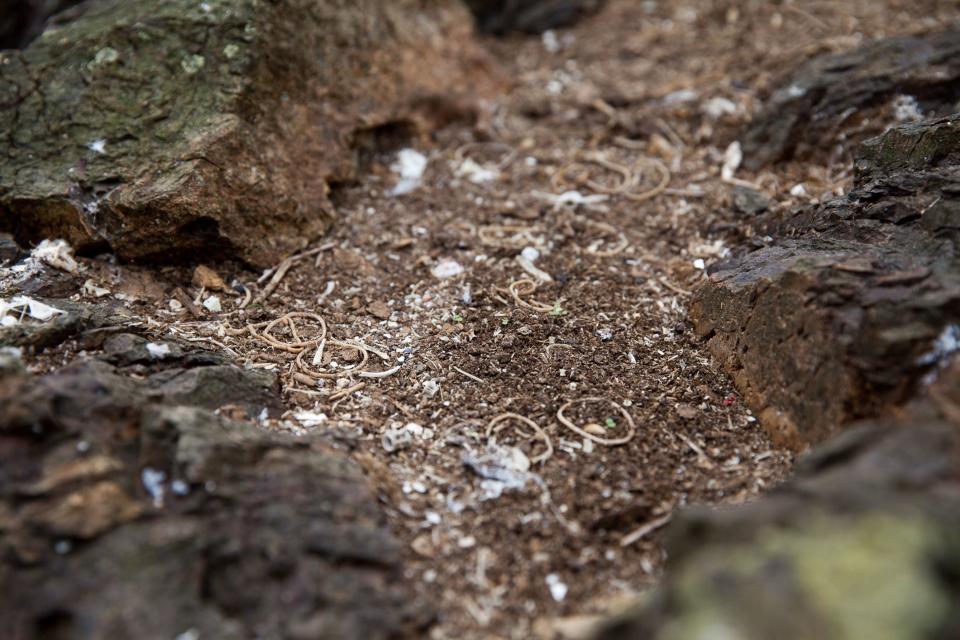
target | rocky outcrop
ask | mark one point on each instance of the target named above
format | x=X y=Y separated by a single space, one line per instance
x=159 y=128
x=852 y=301
x=529 y=16
x=129 y=510
x=831 y=97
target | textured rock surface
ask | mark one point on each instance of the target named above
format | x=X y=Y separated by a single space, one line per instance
x=837 y=92
x=160 y=127
x=853 y=300
x=124 y=515
x=862 y=543
x=529 y=16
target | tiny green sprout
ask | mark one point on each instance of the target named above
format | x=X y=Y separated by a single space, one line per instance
x=557 y=310
x=457 y=317
x=611 y=423
x=505 y=321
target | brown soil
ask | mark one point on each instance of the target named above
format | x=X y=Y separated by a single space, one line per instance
x=613 y=319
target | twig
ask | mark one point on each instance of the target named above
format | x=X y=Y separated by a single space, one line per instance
x=493 y=428
x=644 y=530
x=469 y=375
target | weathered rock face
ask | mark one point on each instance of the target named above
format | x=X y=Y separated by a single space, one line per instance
x=837 y=92
x=861 y=543
x=23 y=20
x=853 y=300
x=127 y=510
x=529 y=16
x=160 y=128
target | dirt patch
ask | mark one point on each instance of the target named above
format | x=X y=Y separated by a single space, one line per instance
x=488 y=288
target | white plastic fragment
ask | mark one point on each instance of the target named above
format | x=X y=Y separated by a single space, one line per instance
x=530 y=253
x=732 y=158
x=446 y=269
x=798 y=191
x=573 y=199
x=431 y=388
x=700 y=264
x=310 y=418
x=558 y=589
x=158 y=351
x=906 y=109
x=550 y=41
x=11 y=313
x=212 y=304
x=716 y=108
x=476 y=173
x=398 y=436
x=410 y=165
x=56 y=253
x=501 y=468
x=98 y=146
x=92 y=289
x=153 y=483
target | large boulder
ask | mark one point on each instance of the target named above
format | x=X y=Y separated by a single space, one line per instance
x=852 y=301
x=839 y=96
x=157 y=128
x=127 y=510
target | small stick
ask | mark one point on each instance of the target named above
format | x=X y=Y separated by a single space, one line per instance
x=185 y=300
x=469 y=375
x=642 y=531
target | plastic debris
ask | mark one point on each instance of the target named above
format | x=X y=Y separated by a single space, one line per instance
x=446 y=269
x=310 y=418
x=212 y=304
x=58 y=254
x=410 y=165
x=732 y=158
x=573 y=199
x=398 y=437
x=906 y=109
x=798 y=191
x=530 y=253
x=476 y=173
x=153 y=483
x=501 y=468
x=716 y=108
x=158 y=351
x=558 y=589
x=11 y=313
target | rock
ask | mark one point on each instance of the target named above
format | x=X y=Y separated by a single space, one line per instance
x=121 y=517
x=531 y=16
x=854 y=300
x=212 y=387
x=21 y=21
x=10 y=251
x=748 y=201
x=861 y=543
x=830 y=94
x=75 y=319
x=118 y=156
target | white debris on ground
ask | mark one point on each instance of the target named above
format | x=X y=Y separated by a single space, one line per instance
x=732 y=158
x=310 y=418
x=158 y=351
x=945 y=346
x=446 y=269
x=573 y=199
x=153 y=480
x=558 y=589
x=501 y=468
x=410 y=165
x=716 y=108
x=798 y=191
x=475 y=172
x=58 y=254
x=906 y=109
x=13 y=312
x=212 y=304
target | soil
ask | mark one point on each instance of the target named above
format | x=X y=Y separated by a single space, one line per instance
x=610 y=323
